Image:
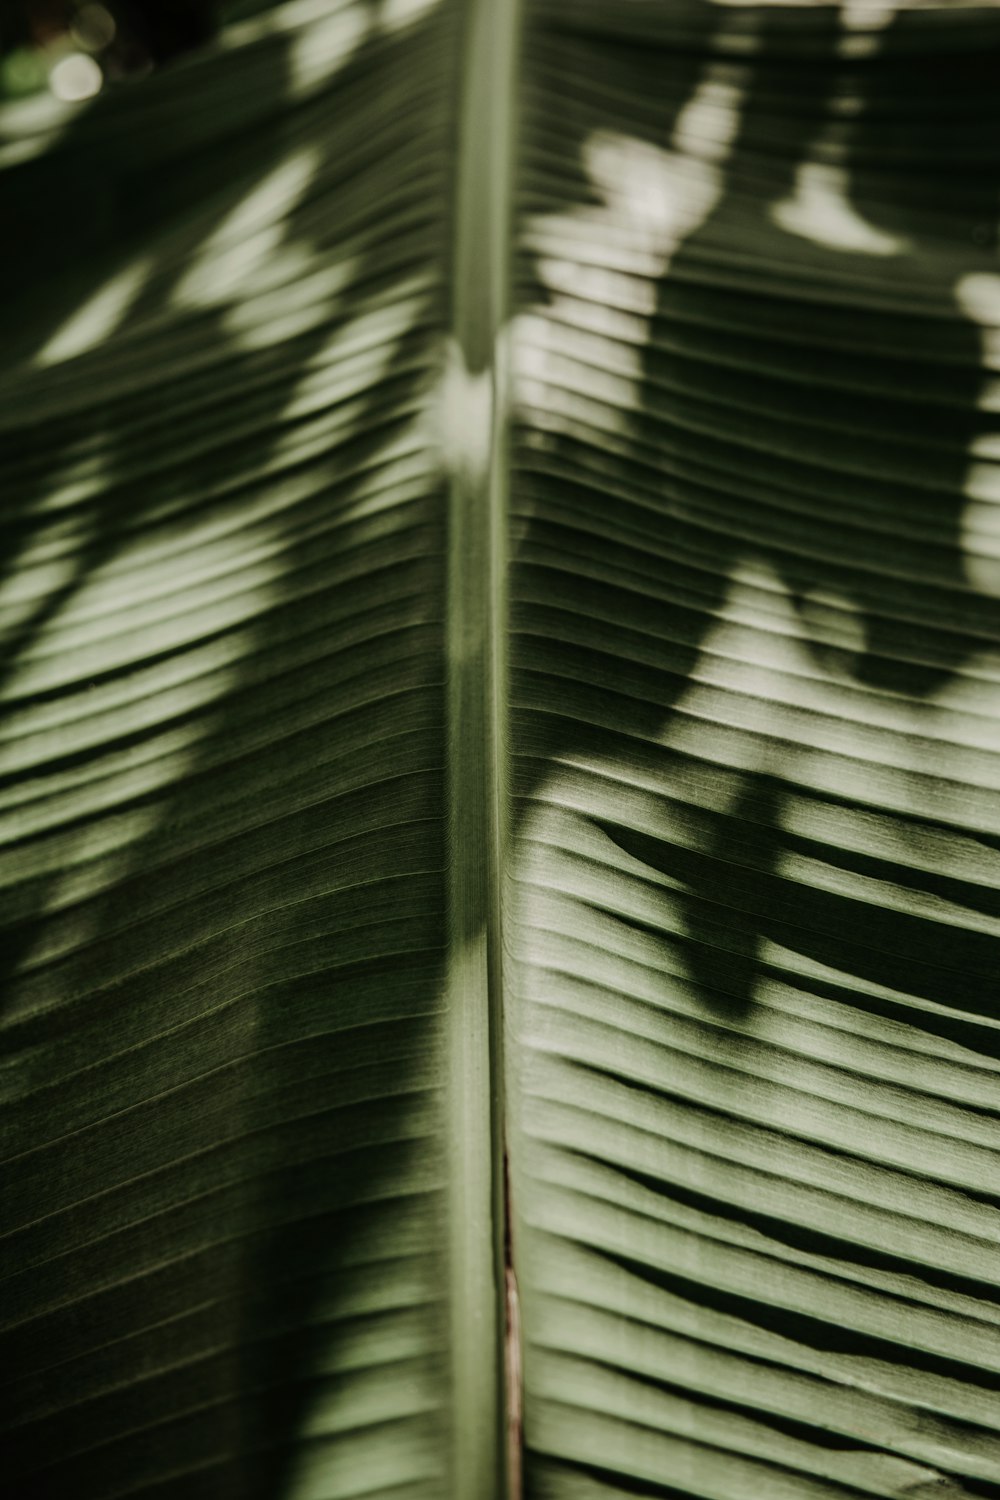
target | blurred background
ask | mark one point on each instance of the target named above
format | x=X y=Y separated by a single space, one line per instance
x=75 y=49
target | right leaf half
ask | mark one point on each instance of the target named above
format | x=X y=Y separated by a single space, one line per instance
x=755 y=697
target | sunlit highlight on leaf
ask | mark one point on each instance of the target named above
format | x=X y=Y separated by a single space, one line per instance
x=99 y=317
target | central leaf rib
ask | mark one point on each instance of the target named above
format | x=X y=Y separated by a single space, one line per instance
x=474 y=428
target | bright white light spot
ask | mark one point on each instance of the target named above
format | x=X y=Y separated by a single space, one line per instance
x=290 y=298
x=247 y=239
x=320 y=51
x=530 y=340
x=867 y=15
x=862 y=20
x=394 y=14
x=271 y=200
x=834 y=621
x=661 y=196
x=981 y=528
x=99 y=316
x=375 y=333
x=978 y=295
x=76 y=77
x=819 y=210
x=101 y=649
x=752 y=660
x=981 y=546
x=986 y=445
x=612 y=255
x=219 y=271
x=466 y=413
x=706 y=126
x=29 y=586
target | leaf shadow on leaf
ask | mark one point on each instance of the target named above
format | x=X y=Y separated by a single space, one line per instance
x=206 y=1032
x=299 y=1218
x=761 y=409
x=809 y=409
x=915 y=422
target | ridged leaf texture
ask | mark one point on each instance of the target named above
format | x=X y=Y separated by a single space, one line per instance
x=499 y=759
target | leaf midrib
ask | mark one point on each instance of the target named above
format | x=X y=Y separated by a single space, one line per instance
x=474 y=410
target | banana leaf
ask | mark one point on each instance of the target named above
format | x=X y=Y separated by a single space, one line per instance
x=499 y=754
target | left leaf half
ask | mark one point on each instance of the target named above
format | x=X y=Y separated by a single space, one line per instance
x=222 y=737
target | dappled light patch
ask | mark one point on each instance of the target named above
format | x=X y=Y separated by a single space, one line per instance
x=101 y=315
x=820 y=210
x=317 y=54
x=466 y=413
x=600 y=263
x=239 y=252
x=819 y=207
x=224 y=912
x=755 y=698
x=320 y=51
x=131 y=671
x=75 y=76
x=393 y=15
x=439 y=864
x=978 y=294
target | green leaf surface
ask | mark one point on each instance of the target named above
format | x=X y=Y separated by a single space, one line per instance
x=499 y=755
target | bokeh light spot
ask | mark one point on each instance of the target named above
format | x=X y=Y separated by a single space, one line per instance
x=74 y=77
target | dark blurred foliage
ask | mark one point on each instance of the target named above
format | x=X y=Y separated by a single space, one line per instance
x=146 y=32
x=127 y=38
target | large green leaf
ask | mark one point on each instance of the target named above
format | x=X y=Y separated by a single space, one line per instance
x=499 y=759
